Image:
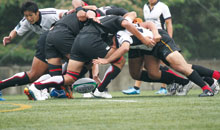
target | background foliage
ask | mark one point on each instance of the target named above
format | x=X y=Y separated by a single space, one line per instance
x=196 y=26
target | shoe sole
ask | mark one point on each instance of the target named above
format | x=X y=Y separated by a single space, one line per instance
x=69 y=93
x=32 y=95
x=27 y=93
x=131 y=93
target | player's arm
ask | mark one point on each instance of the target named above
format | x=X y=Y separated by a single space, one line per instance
x=7 y=39
x=132 y=29
x=169 y=27
x=95 y=73
x=117 y=54
x=153 y=28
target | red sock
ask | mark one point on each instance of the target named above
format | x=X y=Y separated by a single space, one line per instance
x=216 y=75
x=206 y=87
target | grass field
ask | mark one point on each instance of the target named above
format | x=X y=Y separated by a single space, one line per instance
x=146 y=111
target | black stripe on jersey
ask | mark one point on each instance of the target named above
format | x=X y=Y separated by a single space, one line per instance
x=167 y=18
x=162 y=21
x=23 y=19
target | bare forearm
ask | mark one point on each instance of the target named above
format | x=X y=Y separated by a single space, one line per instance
x=169 y=27
x=119 y=52
x=13 y=34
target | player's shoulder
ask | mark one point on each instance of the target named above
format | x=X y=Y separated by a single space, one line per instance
x=161 y=4
x=46 y=11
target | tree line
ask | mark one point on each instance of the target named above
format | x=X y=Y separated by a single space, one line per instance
x=195 y=22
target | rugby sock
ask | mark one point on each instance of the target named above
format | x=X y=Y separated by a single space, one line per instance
x=17 y=79
x=205 y=72
x=55 y=81
x=209 y=80
x=166 y=78
x=136 y=88
x=165 y=68
x=55 y=69
x=110 y=74
x=197 y=79
x=83 y=72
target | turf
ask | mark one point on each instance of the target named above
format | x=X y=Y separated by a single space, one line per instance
x=145 y=111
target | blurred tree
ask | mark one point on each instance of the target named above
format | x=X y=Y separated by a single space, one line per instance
x=196 y=26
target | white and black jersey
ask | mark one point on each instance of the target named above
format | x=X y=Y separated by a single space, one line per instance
x=126 y=36
x=157 y=15
x=48 y=16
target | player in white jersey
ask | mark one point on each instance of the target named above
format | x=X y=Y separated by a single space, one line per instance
x=38 y=21
x=158 y=13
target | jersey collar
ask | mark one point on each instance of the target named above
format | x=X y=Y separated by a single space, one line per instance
x=39 y=21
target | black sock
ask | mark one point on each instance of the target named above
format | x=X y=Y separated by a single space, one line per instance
x=166 y=77
x=55 y=69
x=203 y=72
x=137 y=88
x=209 y=80
x=17 y=79
x=169 y=78
x=197 y=79
x=110 y=74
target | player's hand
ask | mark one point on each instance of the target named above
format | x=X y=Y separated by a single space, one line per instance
x=6 y=40
x=149 y=42
x=96 y=20
x=97 y=79
x=157 y=38
x=100 y=61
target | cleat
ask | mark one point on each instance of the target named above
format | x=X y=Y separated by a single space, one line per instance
x=88 y=95
x=131 y=91
x=68 y=91
x=162 y=91
x=183 y=90
x=26 y=92
x=45 y=94
x=35 y=93
x=57 y=93
x=215 y=87
x=171 y=88
x=206 y=93
x=1 y=99
x=104 y=94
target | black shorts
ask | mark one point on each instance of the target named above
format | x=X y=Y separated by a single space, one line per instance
x=135 y=53
x=59 y=42
x=40 y=47
x=163 y=48
x=88 y=46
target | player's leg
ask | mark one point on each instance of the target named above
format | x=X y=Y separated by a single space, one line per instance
x=135 y=65
x=110 y=74
x=178 y=63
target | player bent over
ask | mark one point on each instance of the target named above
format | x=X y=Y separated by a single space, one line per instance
x=84 y=50
x=166 y=50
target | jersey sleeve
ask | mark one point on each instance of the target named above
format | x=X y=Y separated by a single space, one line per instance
x=22 y=27
x=123 y=36
x=166 y=12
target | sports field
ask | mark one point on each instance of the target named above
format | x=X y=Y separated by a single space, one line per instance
x=144 y=112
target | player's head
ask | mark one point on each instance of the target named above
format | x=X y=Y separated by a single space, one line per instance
x=77 y=3
x=152 y=1
x=137 y=20
x=30 y=11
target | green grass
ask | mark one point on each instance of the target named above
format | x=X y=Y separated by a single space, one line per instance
x=140 y=112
